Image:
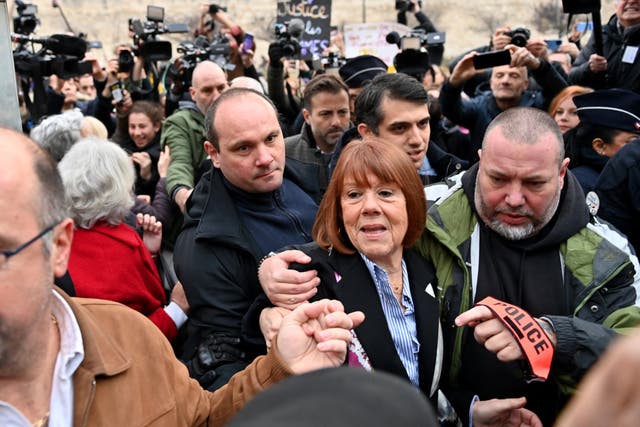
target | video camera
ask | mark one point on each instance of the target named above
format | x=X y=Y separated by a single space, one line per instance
x=145 y=42
x=580 y=6
x=330 y=63
x=26 y=22
x=196 y=51
x=416 y=39
x=288 y=36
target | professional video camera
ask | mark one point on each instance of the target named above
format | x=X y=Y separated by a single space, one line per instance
x=416 y=39
x=288 y=36
x=26 y=22
x=330 y=63
x=580 y=6
x=145 y=42
x=60 y=55
x=196 y=51
x=519 y=36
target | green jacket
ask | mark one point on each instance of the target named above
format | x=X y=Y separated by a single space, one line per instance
x=184 y=133
x=600 y=276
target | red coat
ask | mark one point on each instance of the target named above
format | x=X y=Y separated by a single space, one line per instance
x=112 y=263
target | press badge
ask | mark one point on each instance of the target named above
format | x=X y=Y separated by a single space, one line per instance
x=630 y=54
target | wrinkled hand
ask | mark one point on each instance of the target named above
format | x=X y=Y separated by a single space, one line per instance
x=597 y=63
x=143 y=159
x=163 y=161
x=284 y=287
x=151 y=232
x=609 y=393
x=491 y=332
x=504 y=413
x=181 y=197
x=316 y=335
x=270 y=321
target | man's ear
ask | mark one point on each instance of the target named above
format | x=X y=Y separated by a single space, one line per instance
x=598 y=146
x=364 y=130
x=563 y=171
x=306 y=115
x=213 y=153
x=61 y=247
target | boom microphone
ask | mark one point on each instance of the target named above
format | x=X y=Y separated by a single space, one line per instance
x=393 y=38
x=59 y=44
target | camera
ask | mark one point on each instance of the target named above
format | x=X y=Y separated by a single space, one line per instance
x=288 y=36
x=26 y=22
x=145 y=35
x=416 y=39
x=403 y=5
x=198 y=50
x=519 y=36
x=330 y=63
x=125 y=61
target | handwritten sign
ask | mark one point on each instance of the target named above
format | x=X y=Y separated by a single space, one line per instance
x=316 y=17
x=369 y=39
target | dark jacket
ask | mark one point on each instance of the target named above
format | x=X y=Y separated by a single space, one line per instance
x=475 y=114
x=216 y=259
x=619 y=191
x=619 y=74
x=357 y=291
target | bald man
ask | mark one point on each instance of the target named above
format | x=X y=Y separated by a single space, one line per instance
x=183 y=131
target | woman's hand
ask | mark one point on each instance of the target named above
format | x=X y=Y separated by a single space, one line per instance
x=270 y=321
x=151 y=232
x=143 y=160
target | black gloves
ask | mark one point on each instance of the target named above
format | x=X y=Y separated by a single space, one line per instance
x=215 y=350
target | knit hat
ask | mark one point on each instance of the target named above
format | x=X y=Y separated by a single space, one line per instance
x=360 y=70
x=611 y=108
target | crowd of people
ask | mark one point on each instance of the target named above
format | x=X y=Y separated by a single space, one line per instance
x=469 y=230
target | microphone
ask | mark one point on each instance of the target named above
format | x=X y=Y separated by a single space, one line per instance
x=59 y=44
x=296 y=27
x=393 y=38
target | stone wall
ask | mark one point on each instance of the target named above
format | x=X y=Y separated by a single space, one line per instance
x=467 y=23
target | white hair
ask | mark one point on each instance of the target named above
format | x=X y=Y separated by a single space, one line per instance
x=56 y=134
x=98 y=177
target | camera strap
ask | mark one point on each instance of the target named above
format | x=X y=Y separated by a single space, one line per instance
x=529 y=335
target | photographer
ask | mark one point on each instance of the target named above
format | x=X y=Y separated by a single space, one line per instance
x=618 y=66
x=403 y=6
x=509 y=84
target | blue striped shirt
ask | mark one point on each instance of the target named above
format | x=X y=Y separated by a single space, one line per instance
x=402 y=325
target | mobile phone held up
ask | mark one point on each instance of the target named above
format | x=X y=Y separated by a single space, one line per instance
x=247 y=43
x=491 y=59
x=116 y=92
x=553 y=44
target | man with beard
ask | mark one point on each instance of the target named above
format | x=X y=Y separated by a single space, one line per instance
x=516 y=228
x=326 y=118
x=509 y=85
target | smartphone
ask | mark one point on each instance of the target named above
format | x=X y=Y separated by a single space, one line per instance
x=116 y=92
x=553 y=44
x=247 y=43
x=583 y=26
x=491 y=59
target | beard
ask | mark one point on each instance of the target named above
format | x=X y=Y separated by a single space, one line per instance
x=515 y=232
